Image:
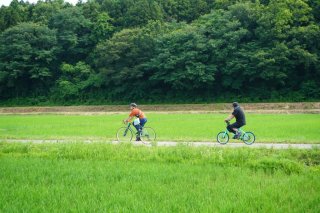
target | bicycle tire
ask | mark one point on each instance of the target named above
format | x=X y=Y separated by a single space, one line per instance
x=124 y=134
x=223 y=137
x=248 y=138
x=148 y=134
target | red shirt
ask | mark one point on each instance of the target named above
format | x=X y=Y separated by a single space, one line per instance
x=137 y=113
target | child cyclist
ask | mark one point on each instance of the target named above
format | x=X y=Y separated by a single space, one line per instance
x=140 y=120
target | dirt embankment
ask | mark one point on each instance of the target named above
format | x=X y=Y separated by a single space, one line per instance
x=304 y=107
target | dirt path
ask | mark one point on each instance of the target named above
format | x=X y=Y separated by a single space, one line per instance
x=302 y=107
x=193 y=144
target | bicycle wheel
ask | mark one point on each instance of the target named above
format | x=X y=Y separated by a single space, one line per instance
x=249 y=138
x=124 y=134
x=223 y=137
x=148 y=134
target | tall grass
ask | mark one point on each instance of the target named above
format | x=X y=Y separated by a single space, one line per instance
x=77 y=177
x=292 y=128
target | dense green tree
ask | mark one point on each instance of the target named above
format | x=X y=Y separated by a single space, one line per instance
x=120 y=60
x=170 y=50
x=74 y=34
x=27 y=53
x=15 y=13
x=44 y=10
x=289 y=25
x=132 y=13
x=181 y=61
x=76 y=81
x=225 y=37
x=102 y=27
x=142 y=12
x=185 y=10
x=315 y=5
x=102 y=23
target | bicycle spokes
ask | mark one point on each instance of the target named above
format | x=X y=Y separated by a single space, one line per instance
x=148 y=134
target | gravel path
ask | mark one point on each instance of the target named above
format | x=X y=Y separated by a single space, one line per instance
x=195 y=144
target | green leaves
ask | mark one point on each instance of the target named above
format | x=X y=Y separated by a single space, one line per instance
x=182 y=60
x=194 y=50
x=74 y=34
x=75 y=80
x=27 y=52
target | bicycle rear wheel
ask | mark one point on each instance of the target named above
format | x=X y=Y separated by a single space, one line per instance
x=148 y=134
x=124 y=134
x=249 y=138
x=223 y=137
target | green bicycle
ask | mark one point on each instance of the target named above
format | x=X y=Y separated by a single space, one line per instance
x=125 y=134
x=247 y=137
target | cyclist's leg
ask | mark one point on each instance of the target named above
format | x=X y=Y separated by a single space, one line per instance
x=231 y=127
x=234 y=129
x=138 y=128
x=141 y=125
x=237 y=129
x=143 y=121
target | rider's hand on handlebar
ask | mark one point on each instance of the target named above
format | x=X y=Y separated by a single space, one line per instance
x=125 y=121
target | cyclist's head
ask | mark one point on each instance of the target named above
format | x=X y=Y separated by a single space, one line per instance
x=235 y=104
x=133 y=105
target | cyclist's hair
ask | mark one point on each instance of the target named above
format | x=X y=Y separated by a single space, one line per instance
x=133 y=105
x=235 y=104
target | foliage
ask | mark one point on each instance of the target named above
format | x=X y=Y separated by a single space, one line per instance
x=73 y=34
x=75 y=80
x=166 y=51
x=27 y=55
x=182 y=61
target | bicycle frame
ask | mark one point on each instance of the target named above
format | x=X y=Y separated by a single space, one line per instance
x=128 y=127
x=241 y=130
x=247 y=137
x=146 y=135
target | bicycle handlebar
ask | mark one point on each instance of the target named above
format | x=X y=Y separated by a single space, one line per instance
x=228 y=122
x=127 y=123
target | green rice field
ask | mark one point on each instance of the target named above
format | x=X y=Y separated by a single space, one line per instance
x=100 y=177
x=280 y=128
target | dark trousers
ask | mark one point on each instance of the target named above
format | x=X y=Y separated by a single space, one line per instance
x=234 y=125
x=141 y=125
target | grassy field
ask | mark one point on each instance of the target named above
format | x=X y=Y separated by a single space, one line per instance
x=280 y=128
x=99 y=177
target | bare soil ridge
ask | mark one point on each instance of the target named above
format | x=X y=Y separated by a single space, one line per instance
x=302 y=107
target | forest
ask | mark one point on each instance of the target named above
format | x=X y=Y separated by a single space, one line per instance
x=159 y=51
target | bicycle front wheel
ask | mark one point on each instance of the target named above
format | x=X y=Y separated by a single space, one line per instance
x=148 y=134
x=249 y=138
x=124 y=134
x=223 y=137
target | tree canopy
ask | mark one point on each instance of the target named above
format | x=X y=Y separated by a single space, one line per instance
x=106 y=51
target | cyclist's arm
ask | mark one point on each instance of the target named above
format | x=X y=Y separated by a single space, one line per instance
x=131 y=115
x=229 y=117
x=128 y=119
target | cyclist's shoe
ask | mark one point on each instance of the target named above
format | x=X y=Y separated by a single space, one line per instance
x=234 y=136
x=237 y=135
x=138 y=139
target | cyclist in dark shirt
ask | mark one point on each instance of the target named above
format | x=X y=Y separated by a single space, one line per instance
x=240 y=120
